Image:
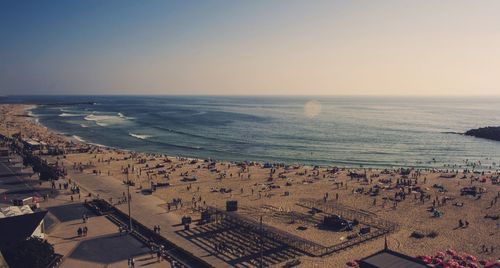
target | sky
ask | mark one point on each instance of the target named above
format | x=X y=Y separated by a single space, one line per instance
x=256 y=47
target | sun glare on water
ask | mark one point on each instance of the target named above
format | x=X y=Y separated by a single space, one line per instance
x=312 y=108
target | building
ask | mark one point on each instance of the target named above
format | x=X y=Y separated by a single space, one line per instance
x=33 y=145
x=20 y=223
x=4 y=151
x=390 y=259
x=3 y=263
x=387 y=258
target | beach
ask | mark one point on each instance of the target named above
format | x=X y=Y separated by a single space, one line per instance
x=275 y=191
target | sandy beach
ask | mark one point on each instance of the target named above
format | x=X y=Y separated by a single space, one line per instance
x=276 y=192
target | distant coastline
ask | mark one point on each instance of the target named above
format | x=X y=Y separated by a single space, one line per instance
x=490 y=133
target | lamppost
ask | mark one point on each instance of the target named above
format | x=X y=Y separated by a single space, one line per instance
x=261 y=245
x=128 y=199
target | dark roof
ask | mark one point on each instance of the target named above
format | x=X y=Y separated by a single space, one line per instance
x=17 y=228
x=3 y=263
x=390 y=259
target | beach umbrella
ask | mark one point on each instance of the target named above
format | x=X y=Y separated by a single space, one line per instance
x=471 y=258
x=451 y=263
x=473 y=265
x=425 y=258
x=440 y=255
x=451 y=252
x=438 y=262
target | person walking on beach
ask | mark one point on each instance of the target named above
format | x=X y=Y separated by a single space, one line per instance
x=152 y=249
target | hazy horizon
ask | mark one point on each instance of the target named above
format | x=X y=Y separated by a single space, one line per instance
x=253 y=48
x=244 y=95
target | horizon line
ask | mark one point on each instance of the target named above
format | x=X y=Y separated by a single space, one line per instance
x=249 y=95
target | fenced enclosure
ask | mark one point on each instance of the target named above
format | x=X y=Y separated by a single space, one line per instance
x=241 y=240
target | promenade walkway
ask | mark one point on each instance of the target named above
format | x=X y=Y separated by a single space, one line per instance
x=102 y=247
x=149 y=210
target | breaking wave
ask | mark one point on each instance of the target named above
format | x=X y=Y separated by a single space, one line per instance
x=101 y=124
x=105 y=120
x=78 y=138
x=124 y=117
x=70 y=115
x=140 y=136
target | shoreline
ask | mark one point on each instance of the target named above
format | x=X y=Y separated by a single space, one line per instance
x=277 y=192
x=78 y=139
x=370 y=166
x=73 y=138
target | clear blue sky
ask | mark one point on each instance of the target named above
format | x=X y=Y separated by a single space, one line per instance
x=446 y=47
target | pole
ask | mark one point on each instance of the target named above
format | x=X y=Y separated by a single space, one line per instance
x=261 y=245
x=128 y=199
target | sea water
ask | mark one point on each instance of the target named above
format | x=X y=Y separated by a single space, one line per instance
x=335 y=131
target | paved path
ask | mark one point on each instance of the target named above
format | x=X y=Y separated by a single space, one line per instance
x=102 y=247
x=147 y=209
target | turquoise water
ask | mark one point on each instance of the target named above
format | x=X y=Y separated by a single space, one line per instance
x=342 y=131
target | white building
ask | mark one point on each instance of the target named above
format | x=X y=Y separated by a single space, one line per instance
x=13 y=211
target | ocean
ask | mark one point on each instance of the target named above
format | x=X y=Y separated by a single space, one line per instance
x=383 y=132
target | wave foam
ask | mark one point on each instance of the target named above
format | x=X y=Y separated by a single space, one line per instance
x=105 y=120
x=70 y=115
x=199 y=113
x=140 y=136
x=92 y=117
x=101 y=124
x=124 y=117
x=78 y=138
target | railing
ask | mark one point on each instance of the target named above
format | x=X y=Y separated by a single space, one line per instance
x=300 y=244
x=308 y=247
x=56 y=261
x=331 y=207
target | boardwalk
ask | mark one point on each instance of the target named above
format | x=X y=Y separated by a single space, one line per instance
x=102 y=247
x=147 y=209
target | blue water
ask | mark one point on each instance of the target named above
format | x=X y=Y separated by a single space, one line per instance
x=348 y=131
